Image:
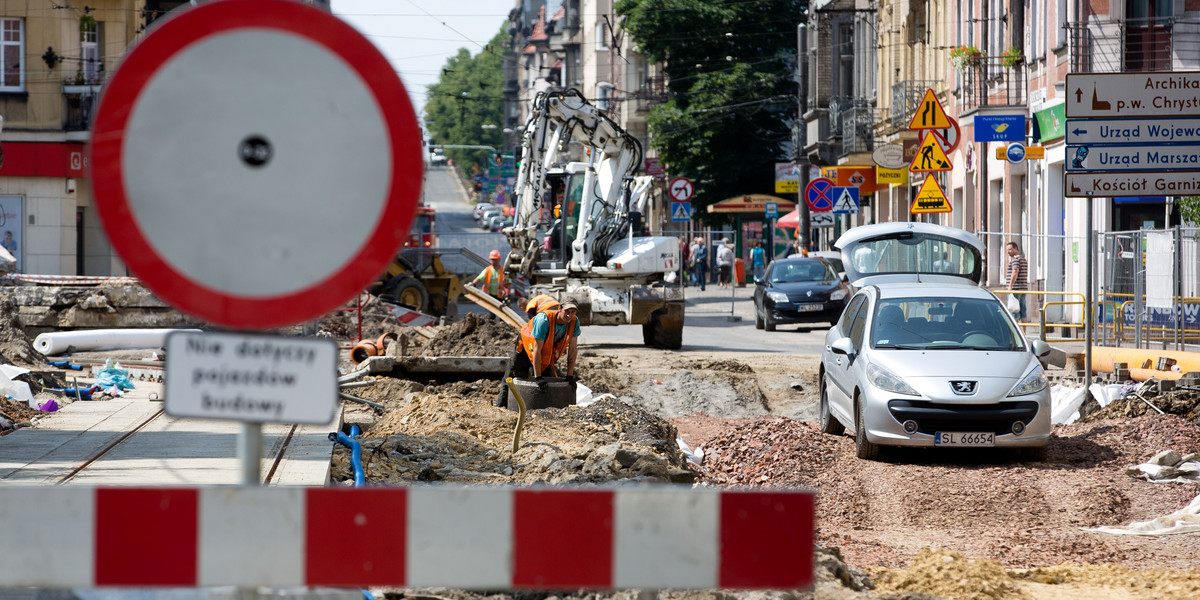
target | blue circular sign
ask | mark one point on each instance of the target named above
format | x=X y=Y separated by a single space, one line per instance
x=1015 y=152
x=818 y=194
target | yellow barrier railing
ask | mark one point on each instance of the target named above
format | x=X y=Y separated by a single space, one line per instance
x=1042 y=325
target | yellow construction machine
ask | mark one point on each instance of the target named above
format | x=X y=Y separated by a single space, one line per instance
x=431 y=289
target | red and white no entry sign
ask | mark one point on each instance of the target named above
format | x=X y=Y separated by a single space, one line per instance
x=681 y=189
x=255 y=162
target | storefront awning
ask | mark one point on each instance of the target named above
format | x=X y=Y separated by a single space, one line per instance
x=752 y=203
x=1051 y=123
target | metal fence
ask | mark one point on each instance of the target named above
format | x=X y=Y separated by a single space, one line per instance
x=1146 y=283
x=1149 y=287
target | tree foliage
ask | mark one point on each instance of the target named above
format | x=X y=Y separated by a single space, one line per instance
x=465 y=106
x=1189 y=209
x=731 y=68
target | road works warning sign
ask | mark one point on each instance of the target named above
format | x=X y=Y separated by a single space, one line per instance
x=253 y=378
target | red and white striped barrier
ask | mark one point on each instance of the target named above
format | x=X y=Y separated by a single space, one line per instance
x=409 y=317
x=467 y=538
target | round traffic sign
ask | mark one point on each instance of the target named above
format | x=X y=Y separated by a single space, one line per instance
x=681 y=189
x=255 y=162
x=1015 y=152
x=948 y=137
x=818 y=194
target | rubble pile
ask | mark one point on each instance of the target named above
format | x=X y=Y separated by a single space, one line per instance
x=1182 y=402
x=473 y=335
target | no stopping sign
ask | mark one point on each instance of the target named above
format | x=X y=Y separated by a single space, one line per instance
x=255 y=162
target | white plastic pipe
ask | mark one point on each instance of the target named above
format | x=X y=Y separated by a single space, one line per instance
x=51 y=344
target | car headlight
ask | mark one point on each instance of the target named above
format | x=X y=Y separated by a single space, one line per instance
x=777 y=296
x=837 y=294
x=886 y=380
x=1033 y=383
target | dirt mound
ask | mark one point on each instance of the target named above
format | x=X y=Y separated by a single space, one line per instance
x=767 y=451
x=474 y=335
x=343 y=324
x=452 y=433
x=694 y=388
x=15 y=346
x=1177 y=402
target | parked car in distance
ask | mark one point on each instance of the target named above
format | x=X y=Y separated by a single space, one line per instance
x=834 y=258
x=495 y=222
x=924 y=356
x=799 y=290
x=481 y=207
x=486 y=217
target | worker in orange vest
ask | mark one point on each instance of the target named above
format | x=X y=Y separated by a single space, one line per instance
x=544 y=339
x=492 y=277
x=539 y=303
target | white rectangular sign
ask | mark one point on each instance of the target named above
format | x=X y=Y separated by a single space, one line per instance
x=1133 y=131
x=1164 y=94
x=1133 y=158
x=249 y=377
x=1126 y=185
x=820 y=219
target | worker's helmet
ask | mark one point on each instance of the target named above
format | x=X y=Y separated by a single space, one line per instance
x=494 y=255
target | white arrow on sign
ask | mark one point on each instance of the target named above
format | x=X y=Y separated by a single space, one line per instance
x=681 y=189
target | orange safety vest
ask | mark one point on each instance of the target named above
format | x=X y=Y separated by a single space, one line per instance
x=540 y=303
x=493 y=287
x=529 y=343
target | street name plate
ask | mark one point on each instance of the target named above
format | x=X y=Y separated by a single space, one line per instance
x=1133 y=158
x=1133 y=131
x=1128 y=185
x=1175 y=93
x=252 y=378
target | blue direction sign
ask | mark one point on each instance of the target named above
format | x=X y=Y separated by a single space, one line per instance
x=1015 y=153
x=1157 y=158
x=819 y=194
x=1000 y=128
x=681 y=212
x=845 y=200
x=772 y=210
x=1088 y=132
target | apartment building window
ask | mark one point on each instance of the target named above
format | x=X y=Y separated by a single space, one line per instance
x=1148 y=35
x=89 y=42
x=604 y=92
x=12 y=48
x=845 y=60
x=601 y=36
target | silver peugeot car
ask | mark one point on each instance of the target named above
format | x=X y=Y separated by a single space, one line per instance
x=924 y=356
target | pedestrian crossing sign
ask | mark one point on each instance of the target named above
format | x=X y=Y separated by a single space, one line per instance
x=846 y=202
x=930 y=156
x=931 y=198
x=681 y=212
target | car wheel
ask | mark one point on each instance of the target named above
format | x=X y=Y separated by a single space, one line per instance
x=863 y=448
x=758 y=320
x=1034 y=453
x=829 y=423
x=768 y=324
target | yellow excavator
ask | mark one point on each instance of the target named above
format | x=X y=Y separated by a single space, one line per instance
x=431 y=289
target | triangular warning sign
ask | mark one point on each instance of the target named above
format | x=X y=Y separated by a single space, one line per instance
x=681 y=212
x=930 y=156
x=929 y=113
x=931 y=198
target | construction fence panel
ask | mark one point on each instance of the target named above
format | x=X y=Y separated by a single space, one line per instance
x=1149 y=287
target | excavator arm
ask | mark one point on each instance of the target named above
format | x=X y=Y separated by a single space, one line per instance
x=559 y=117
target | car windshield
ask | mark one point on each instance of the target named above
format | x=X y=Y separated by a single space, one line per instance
x=794 y=272
x=943 y=324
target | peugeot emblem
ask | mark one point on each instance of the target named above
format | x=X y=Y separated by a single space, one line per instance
x=963 y=388
x=810 y=293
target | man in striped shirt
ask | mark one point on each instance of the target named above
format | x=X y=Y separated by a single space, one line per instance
x=1018 y=276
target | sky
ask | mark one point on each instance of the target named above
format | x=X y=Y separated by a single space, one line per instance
x=418 y=36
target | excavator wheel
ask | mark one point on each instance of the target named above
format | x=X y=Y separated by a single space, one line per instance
x=667 y=338
x=409 y=291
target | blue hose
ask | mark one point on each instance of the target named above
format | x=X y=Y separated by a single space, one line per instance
x=355 y=452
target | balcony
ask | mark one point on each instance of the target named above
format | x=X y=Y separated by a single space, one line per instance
x=1137 y=45
x=839 y=107
x=79 y=102
x=858 y=130
x=652 y=92
x=906 y=97
x=993 y=84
